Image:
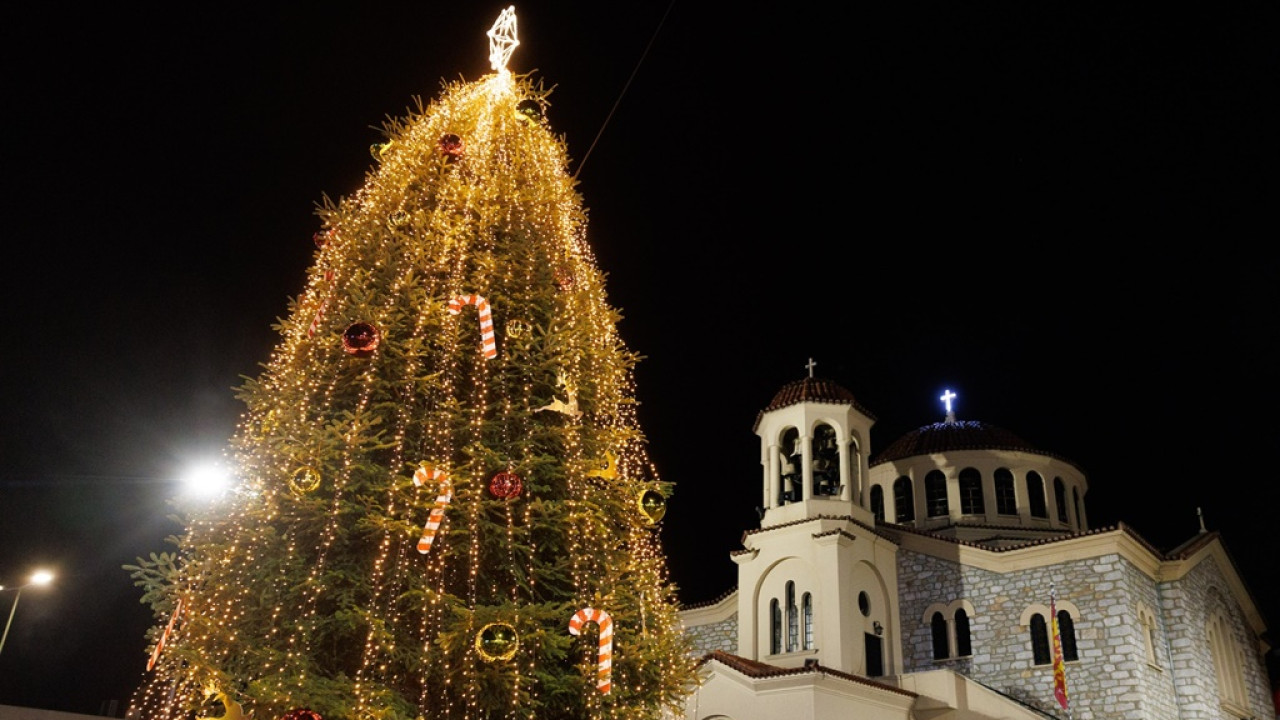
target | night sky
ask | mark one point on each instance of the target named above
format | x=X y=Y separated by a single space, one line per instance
x=1064 y=213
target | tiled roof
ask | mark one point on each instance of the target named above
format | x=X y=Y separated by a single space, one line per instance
x=810 y=389
x=1030 y=542
x=756 y=669
x=709 y=603
x=944 y=437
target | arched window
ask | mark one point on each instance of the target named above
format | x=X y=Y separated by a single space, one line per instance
x=1075 y=496
x=1226 y=662
x=1067 y=636
x=1006 y=498
x=904 y=508
x=971 y=492
x=935 y=494
x=826 y=461
x=938 y=628
x=793 y=619
x=1035 y=495
x=949 y=628
x=963 y=646
x=1040 y=640
x=877 y=502
x=775 y=627
x=1060 y=497
x=790 y=476
x=1147 y=621
x=806 y=607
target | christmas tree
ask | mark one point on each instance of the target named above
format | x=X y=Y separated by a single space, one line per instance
x=444 y=507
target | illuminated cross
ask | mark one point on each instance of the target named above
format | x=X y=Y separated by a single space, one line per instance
x=502 y=39
x=947 y=397
x=811 y=364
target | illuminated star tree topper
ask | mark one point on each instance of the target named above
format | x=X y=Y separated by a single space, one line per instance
x=503 y=40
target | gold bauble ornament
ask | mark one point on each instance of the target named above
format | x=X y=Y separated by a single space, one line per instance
x=653 y=505
x=304 y=480
x=497 y=642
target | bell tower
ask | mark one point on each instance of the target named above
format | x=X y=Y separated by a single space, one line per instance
x=816 y=582
x=814 y=447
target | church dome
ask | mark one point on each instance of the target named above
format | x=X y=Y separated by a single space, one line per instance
x=814 y=390
x=950 y=436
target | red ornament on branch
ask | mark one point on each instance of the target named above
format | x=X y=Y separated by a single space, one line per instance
x=451 y=146
x=505 y=485
x=301 y=714
x=360 y=339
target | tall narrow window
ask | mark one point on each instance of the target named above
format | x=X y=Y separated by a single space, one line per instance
x=877 y=502
x=904 y=509
x=971 y=492
x=825 y=461
x=1035 y=495
x=935 y=493
x=790 y=455
x=1226 y=662
x=1147 y=621
x=964 y=648
x=1060 y=497
x=1040 y=640
x=775 y=627
x=793 y=619
x=1006 y=497
x=1075 y=497
x=806 y=608
x=938 y=629
x=1067 y=634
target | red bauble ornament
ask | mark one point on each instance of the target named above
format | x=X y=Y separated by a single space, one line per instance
x=301 y=714
x=505 y=485
x=360 y=339
x=451 y=146
x=322 y=237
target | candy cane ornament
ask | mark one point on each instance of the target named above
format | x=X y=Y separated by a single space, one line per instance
x=315 y=322
x=422 y=476
x=604 y=666
x=488 y=343
x=164 y=637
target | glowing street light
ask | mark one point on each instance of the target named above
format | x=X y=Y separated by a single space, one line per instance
x=208 y=480
x=39 y=577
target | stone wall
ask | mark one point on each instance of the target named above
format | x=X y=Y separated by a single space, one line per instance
x=1112 y=679
x=721 y=635
x=1185 y=608
x=1105 y=682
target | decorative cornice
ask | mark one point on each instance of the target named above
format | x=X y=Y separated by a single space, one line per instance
x=755 y=669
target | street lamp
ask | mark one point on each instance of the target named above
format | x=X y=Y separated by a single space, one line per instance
x=39 y=577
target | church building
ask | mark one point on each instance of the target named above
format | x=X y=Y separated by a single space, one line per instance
x=944 y=576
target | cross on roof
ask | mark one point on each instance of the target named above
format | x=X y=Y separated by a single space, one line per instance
x=947 y=397
x=810 y=365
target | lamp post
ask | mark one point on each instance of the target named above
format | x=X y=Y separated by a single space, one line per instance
x=39 y=577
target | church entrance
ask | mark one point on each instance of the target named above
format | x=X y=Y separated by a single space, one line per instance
x=875 y=655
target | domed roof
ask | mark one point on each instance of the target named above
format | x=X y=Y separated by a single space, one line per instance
x=815 y=390
x=955 y=435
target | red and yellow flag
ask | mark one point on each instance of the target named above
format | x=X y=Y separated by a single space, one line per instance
x=1059 y=669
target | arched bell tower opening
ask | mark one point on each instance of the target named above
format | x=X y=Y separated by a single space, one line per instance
x=813 y=438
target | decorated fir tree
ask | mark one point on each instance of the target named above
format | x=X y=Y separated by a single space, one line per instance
x=444 y=505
